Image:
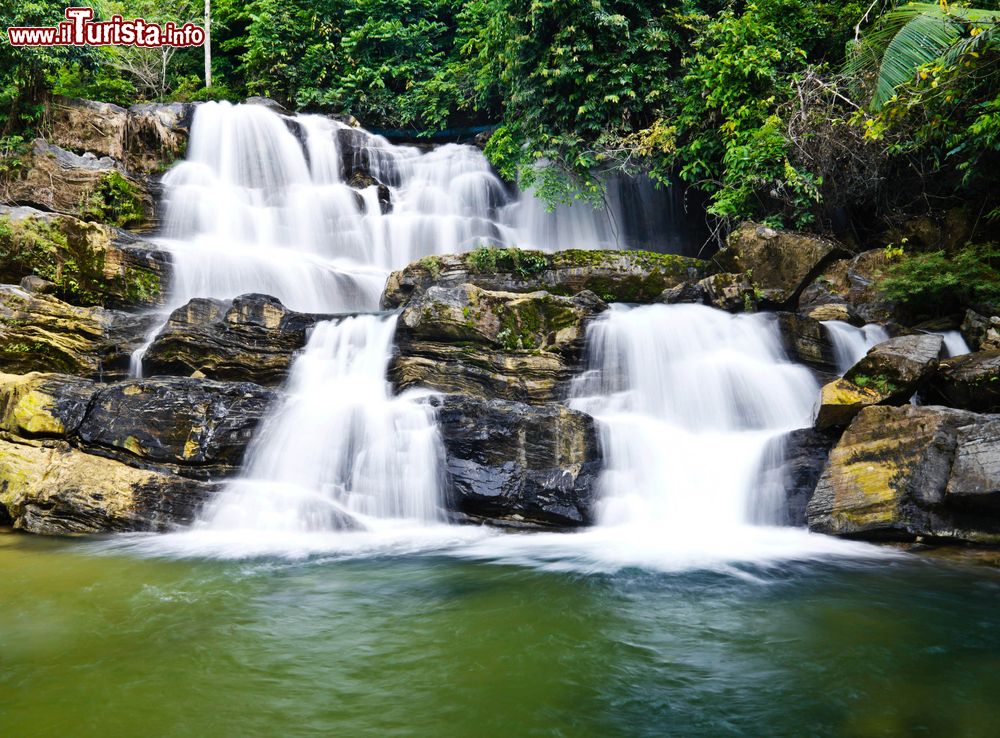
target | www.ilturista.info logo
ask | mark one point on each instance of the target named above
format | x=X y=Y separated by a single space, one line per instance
x=79 y=30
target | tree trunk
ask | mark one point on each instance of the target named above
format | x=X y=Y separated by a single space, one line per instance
x=208 y=43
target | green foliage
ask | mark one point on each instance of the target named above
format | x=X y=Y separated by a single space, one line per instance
x=938 y=283
x=493 y=259
x=115 y=201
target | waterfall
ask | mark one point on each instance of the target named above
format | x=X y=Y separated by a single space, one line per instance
x=688 y=398
x=850 y=344
x=954 y=343
x=340 y=446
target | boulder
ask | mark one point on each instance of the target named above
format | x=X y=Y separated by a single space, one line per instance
x=252 y=338
x=41 y=333
x=91 y=188
x=614 y=276
x=52 y=488
x=833 y=311
x=970 y=382
x=889 y=374
x=50 y=405
x=513 y=464
x=981 y=333
x=854 y=284
x=86 y=263
x=780 y=263
x=906 y=472
x=806 y=342
x=508 y=345
x=200 y=424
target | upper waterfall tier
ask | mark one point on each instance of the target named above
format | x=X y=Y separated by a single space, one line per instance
x=264 y=203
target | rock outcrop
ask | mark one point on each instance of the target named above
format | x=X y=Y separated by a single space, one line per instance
x=614 y=276
x=490 y=344
x=781 y=264
x=145 y=138
x=970 y=382
x=519 y=465
x=889 y=374
x=851 y=286
x=78 y=456
x=899 y=473
x=252 y=338
x=91 y=188
x=202 y=425
x=805 y=341
x=87 y=263
x=41 y=333
x=49 y=487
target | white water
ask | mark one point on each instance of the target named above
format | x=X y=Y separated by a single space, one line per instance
x=954 y=343
x=339 y=443
x=687 y=398
x=850 y=343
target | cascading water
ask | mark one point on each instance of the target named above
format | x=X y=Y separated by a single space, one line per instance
x=688 y=398
x=340 y=445
x=850 y=343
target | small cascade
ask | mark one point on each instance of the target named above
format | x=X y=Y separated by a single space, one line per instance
x=340 y=447
x=954 y=343
x=688 y=398
x=850 y=343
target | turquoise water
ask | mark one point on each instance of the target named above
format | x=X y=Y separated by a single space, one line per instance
x=99 y=642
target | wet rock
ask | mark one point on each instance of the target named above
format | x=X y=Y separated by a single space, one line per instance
x=492 y=344
x=889 y=374
x=173 y=420
x=273 y=105
x=854 y=283
x=614 y=276
x=805 y=341
x=362 y=180
x=252 y=338
x=734 y=293
x=85 y=263
x=906 y=472
x=970 y=382
x=780 y=263
x=36 y=404
x=685 y=293
x=51 y=488
x=793 y=464
x=91 y=188
x=42 y=333
x=521 y=465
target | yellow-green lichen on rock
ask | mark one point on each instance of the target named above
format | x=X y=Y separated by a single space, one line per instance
x=39 y=404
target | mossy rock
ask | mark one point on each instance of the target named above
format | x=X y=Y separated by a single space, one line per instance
x=614 y=276
x=88 y=263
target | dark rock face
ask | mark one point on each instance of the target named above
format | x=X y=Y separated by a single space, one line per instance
x=780 y=263
x=854 y=284
x=521 y=465
x=39 y=405
x=888 y=375
x=970 y=382
x=806 y=342
x=522 y=347
x=196 y=423
x=156 y=135
x=40 y=333
x=253 y=338
x=981 y=333
x=903 y=472
x=614 y=276
x=795 y=463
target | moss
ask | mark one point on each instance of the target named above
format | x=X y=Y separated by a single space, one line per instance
x=432 y=264
x=490 y=259
x=115 y=201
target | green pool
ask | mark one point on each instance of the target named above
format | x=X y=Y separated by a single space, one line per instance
x=99 y=641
